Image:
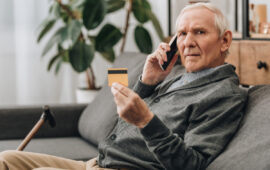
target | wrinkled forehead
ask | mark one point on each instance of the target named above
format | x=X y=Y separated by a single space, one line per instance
x=201 y=17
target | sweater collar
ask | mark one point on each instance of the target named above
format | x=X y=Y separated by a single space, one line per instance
x=203 y=77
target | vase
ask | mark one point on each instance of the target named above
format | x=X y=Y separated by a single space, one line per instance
x=85 y=95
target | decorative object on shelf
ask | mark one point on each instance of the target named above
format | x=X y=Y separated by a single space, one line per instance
x=76 y=20
x=247 y=34
x=261 y=11
x=266 y=28
x=253 y=19
x=255 y=24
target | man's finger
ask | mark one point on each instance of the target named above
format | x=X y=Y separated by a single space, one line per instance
x=165 y=46
x=163 y=55
x=170 y=66
x=122 y=89
x=119 y=98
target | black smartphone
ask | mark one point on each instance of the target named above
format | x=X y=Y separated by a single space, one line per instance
x=170 y=53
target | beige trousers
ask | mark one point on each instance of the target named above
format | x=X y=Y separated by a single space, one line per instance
x=20 y=160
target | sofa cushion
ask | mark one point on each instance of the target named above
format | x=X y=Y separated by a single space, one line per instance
x=100 y=116
x=67 y=147
x=250 y=148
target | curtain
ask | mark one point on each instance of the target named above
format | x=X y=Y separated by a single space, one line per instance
x=23 y=72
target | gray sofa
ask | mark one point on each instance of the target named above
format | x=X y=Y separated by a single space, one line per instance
x=80 y=127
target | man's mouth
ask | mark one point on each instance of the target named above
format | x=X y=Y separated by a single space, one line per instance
x=191 y=55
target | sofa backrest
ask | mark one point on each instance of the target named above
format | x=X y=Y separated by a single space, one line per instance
x=250 y=147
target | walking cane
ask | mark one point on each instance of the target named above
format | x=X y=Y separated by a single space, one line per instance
x=46 y=115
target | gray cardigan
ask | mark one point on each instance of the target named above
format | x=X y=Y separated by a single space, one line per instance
x=191 y=126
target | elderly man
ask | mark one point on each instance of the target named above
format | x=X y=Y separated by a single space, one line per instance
x=181 y=124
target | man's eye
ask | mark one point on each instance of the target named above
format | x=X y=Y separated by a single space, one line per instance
x=200 y=32
x=182 y=33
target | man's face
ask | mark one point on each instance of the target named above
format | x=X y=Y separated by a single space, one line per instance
x=198 y=40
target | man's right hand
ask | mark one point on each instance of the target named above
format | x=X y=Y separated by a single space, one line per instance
x=152 y=72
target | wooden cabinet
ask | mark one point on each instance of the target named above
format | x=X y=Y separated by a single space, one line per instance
x=233 y=57
x=252 y=61
x=250 y=54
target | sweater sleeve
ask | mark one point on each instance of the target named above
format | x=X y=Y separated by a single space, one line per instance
x=208 y=132
x=143 y=90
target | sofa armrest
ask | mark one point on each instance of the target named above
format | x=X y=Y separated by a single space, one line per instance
x=16 y=122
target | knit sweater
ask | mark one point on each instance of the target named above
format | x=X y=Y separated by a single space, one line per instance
x=192 y=124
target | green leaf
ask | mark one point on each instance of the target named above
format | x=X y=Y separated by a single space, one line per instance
x=108 y=36
x=156 y=25
x=109 y=55
x=65 y=56
x=114 y=5
x=140 y=10
x=81 y=56
x=92 y=39
x=65 y=17
x=63 y=53
x=93 y=13
x=55 y=39
x=54 y=11
x=58 y=65
x=74 y=30
x=52 y=61
x=65 y=36
x=61 y=37
x=143 y=40
x=76 y=4
x=47 y=27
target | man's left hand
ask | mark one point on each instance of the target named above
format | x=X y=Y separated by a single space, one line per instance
x=130 y=106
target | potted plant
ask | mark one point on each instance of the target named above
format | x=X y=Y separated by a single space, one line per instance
x=73 y=22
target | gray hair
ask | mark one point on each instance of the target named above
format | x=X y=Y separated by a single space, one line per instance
x=221 y=21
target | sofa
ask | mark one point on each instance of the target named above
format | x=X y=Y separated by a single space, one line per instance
x=79 y=127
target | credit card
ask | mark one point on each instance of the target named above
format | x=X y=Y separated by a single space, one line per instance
x=119 y=75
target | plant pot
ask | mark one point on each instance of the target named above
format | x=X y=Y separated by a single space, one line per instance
x=85 y=95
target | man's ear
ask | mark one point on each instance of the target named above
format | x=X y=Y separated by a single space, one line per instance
x=226 y=40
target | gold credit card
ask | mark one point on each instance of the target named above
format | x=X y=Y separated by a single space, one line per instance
x=119 y=75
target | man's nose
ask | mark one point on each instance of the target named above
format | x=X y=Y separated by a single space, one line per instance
x=189 y=40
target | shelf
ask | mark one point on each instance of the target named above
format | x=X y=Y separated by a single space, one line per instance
x=259 y=35
x=237 y=35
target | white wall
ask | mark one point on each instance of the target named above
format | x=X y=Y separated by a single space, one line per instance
x=23 y=73
x=7 y=57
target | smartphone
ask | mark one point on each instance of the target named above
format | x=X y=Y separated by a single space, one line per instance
x=170 y=53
